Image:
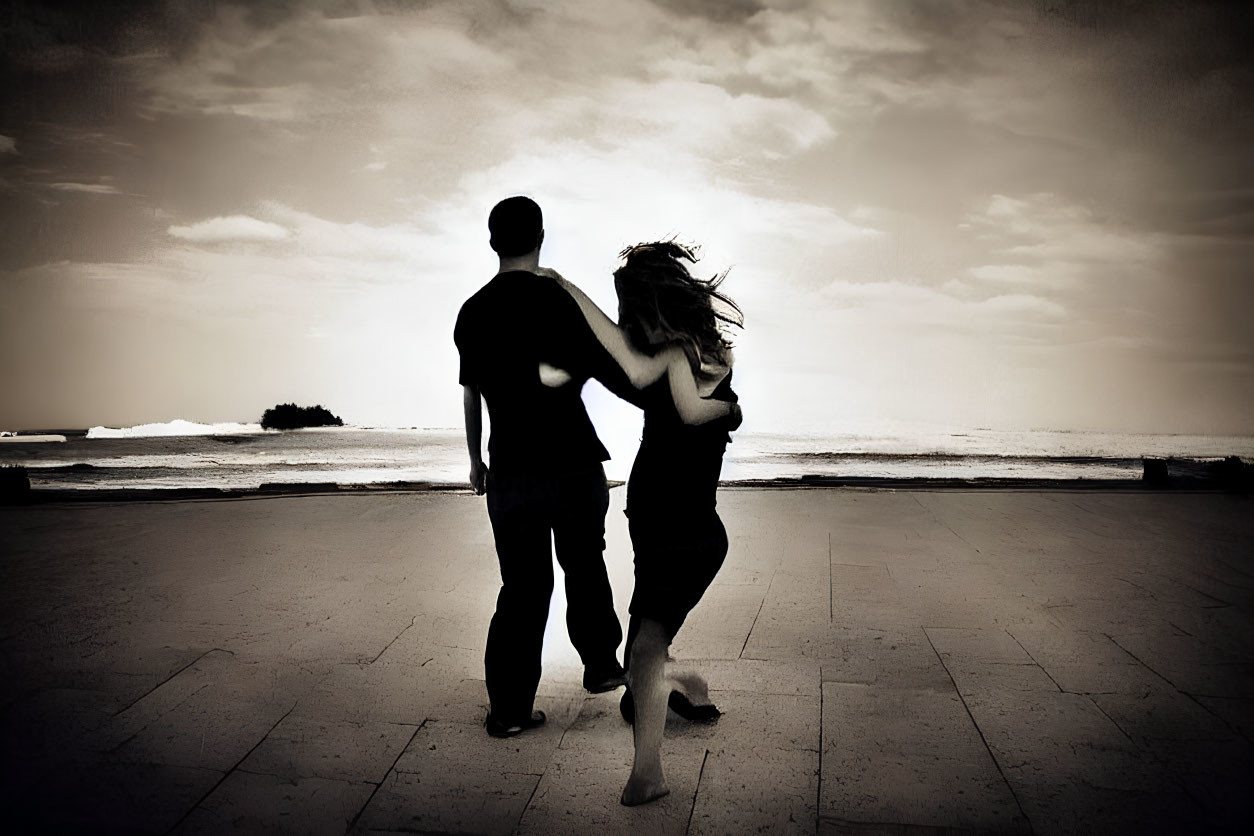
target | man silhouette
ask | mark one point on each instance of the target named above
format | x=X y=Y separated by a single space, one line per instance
x=546 y=479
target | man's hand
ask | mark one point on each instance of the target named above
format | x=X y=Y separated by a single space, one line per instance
x=478 y=477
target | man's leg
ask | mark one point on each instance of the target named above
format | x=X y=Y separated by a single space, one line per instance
x=579 y=534
x=516 y=634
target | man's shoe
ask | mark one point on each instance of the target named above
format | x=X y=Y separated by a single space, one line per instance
x=600 y=680
x=498 y=729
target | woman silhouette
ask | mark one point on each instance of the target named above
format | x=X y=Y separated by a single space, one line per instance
x=669 y=341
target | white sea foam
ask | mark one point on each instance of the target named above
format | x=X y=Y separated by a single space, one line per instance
x=240 y=456
x=177 y=427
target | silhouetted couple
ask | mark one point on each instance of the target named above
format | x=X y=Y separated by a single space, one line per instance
x=529 y=340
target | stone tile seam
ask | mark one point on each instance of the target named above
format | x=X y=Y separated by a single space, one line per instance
x=818 y=795
x=1144 y=589
x=522 y=813
x=756 y=615
x=228 y=772
x=145 y=726
x=1038 y=664
x=1197 y=699
x=389 y=771
x=1142 y=662
x=851 y=826
x=939 y=521
x=332 y=778
x=412 y=621
x=696 y=792
x=980 y=732
x=731 y=749
x=1221 y=603
x=169 y=678
x=1113 y=721
x=755 y=693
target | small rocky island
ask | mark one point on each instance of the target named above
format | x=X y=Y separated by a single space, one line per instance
x=289 y=416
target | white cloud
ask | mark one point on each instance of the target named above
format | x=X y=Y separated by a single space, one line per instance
x=807 y=143
x=899 y=305
x=8 y=145
x=231 y=228
x=1045 y=240
x=1024 y=306
x=371 y=245
x=1006 y=273
x=85 y=188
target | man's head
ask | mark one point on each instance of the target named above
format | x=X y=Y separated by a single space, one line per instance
x=516 y=225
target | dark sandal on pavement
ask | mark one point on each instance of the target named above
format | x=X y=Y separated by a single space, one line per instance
x=627 y=707
x=678 y=703
x=684 y=707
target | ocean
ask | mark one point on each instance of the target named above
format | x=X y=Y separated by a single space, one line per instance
x=183 y=454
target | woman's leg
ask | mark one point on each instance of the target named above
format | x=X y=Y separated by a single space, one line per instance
x=704 y=564
x=650 y=689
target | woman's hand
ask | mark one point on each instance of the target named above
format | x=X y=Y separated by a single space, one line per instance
x=553 y=377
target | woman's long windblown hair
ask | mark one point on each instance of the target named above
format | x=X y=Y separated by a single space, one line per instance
x=661 y=303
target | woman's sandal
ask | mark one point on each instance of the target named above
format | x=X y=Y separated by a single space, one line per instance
x=627 y=707
x=678 y=703
x=684 y=707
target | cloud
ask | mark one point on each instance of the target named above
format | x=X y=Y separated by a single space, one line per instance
x=309 y=65
x=903 y=302
x=369 y=244
x=718 y=11
x=8 y=145
x=1023 y=306
x=971 y=176
x=1005 y=273
x=1043 y=230
x=232 y=228
x=85 y=188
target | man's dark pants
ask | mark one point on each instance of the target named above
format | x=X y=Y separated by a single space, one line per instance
x=525 y=507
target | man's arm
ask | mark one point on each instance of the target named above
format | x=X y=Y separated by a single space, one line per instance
x=472 y=402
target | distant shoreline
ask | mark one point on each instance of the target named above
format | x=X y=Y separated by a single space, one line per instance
x=327 y=460
x=42 y=496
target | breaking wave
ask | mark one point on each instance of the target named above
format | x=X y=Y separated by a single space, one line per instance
x=177 y=427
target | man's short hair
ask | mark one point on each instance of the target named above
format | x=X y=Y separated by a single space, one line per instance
x=515 y=224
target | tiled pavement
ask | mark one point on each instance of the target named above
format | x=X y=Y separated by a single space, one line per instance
x=901 y=662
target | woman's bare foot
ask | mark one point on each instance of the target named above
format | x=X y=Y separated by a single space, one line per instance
x=641 y=791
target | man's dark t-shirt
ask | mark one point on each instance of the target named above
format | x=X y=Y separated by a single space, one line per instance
x=503 y=333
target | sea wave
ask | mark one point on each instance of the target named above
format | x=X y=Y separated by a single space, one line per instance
x=177 y=427
x=938 y=456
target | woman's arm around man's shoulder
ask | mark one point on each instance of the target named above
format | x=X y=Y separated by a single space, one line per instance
x=641 y=369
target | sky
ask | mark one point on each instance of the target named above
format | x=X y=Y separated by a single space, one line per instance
x=1013 y=215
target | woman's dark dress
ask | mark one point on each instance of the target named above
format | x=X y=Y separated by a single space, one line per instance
x=678 y=538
